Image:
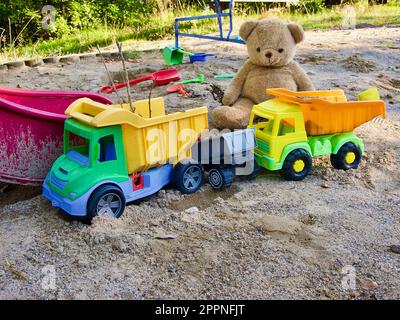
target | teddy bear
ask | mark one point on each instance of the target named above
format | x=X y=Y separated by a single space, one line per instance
x=271 y=45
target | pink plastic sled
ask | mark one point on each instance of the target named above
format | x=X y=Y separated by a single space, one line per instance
x=31 y=131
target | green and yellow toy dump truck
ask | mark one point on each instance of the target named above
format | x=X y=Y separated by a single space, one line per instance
x=296 y=126
x=113 y=155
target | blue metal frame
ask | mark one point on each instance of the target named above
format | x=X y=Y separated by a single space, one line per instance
x=219 y=15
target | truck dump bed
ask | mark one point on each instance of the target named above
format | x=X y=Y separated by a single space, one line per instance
x=327 y=112
x=151 y=138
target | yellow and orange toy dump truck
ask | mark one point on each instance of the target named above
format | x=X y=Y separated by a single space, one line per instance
x=296 y=126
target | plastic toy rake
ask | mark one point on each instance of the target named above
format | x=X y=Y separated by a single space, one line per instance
x=178 y=88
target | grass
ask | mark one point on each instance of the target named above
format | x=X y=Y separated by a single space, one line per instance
x=161 y=27
x=333 y=18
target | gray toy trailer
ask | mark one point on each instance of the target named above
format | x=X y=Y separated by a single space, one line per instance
x=226 y=155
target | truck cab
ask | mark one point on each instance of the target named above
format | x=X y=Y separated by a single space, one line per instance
x=277 y=126
x=91 y=156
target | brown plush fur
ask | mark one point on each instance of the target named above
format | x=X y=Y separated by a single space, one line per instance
x=271 y=45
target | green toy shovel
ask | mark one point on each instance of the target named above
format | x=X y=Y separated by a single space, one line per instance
x=174 y=55
x=200 y=79
x=224 y=76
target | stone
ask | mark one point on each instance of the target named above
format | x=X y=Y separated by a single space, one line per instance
x=34 y=62
x=395 y=248
x=192 y=210
x=51 y=60
x=87 y=56
x=70 y=59
x=83 y=263
x=3 y=68
x=119 y=246
x=368 y=284
x=280 y=224
x=16 y=65
x=166 y=236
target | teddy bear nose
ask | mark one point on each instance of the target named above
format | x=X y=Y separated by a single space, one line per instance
x=268 y=54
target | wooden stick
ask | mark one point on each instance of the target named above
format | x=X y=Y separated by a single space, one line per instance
x=110 y=78
x=119 y=45
x=11 y=43
x=153 y=84
x=15 y=272
x=9 y=31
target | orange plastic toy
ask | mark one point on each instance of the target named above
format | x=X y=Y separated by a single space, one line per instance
x=328 y=111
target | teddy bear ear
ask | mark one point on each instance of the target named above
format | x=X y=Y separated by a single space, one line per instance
x=296 y=31
x=246 y=28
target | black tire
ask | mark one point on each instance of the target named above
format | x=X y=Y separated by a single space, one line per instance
x=220 y=177
x=253 y=175
x=297 y=165
x=348 y=157
x=255 y=172
x=106 y=200
x=188 y=177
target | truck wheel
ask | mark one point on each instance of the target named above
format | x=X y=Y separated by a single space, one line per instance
x=188 y=177
x=348 y=157
x=253 y=175
x=255 y=172
x=297 y=165
x=220 y=177
x=107 y=200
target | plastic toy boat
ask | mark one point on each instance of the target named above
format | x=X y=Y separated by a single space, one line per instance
x=31 y=131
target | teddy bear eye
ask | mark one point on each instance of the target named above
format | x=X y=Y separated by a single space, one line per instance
x=280 y=50
x=258 y=49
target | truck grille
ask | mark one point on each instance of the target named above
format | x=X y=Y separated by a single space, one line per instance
x=263 y=145
x=60 y=184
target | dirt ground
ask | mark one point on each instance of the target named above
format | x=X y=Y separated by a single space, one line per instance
x=264 y=239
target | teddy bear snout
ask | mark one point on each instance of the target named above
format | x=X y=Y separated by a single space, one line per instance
x=268 y=54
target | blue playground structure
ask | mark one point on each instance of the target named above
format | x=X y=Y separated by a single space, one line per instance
x=219 y=16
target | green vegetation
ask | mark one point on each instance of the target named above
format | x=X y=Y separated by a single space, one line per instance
x=81 y=25
x=322 y=18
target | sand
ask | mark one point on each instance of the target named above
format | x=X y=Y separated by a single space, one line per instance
x=261 y=239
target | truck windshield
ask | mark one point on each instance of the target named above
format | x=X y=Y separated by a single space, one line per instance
x=263 y=123
x=77 y=148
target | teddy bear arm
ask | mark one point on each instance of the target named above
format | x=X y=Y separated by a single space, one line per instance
x=302 y=80
x=235 y=88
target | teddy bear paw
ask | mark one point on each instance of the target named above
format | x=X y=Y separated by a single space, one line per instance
x=225 y=117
